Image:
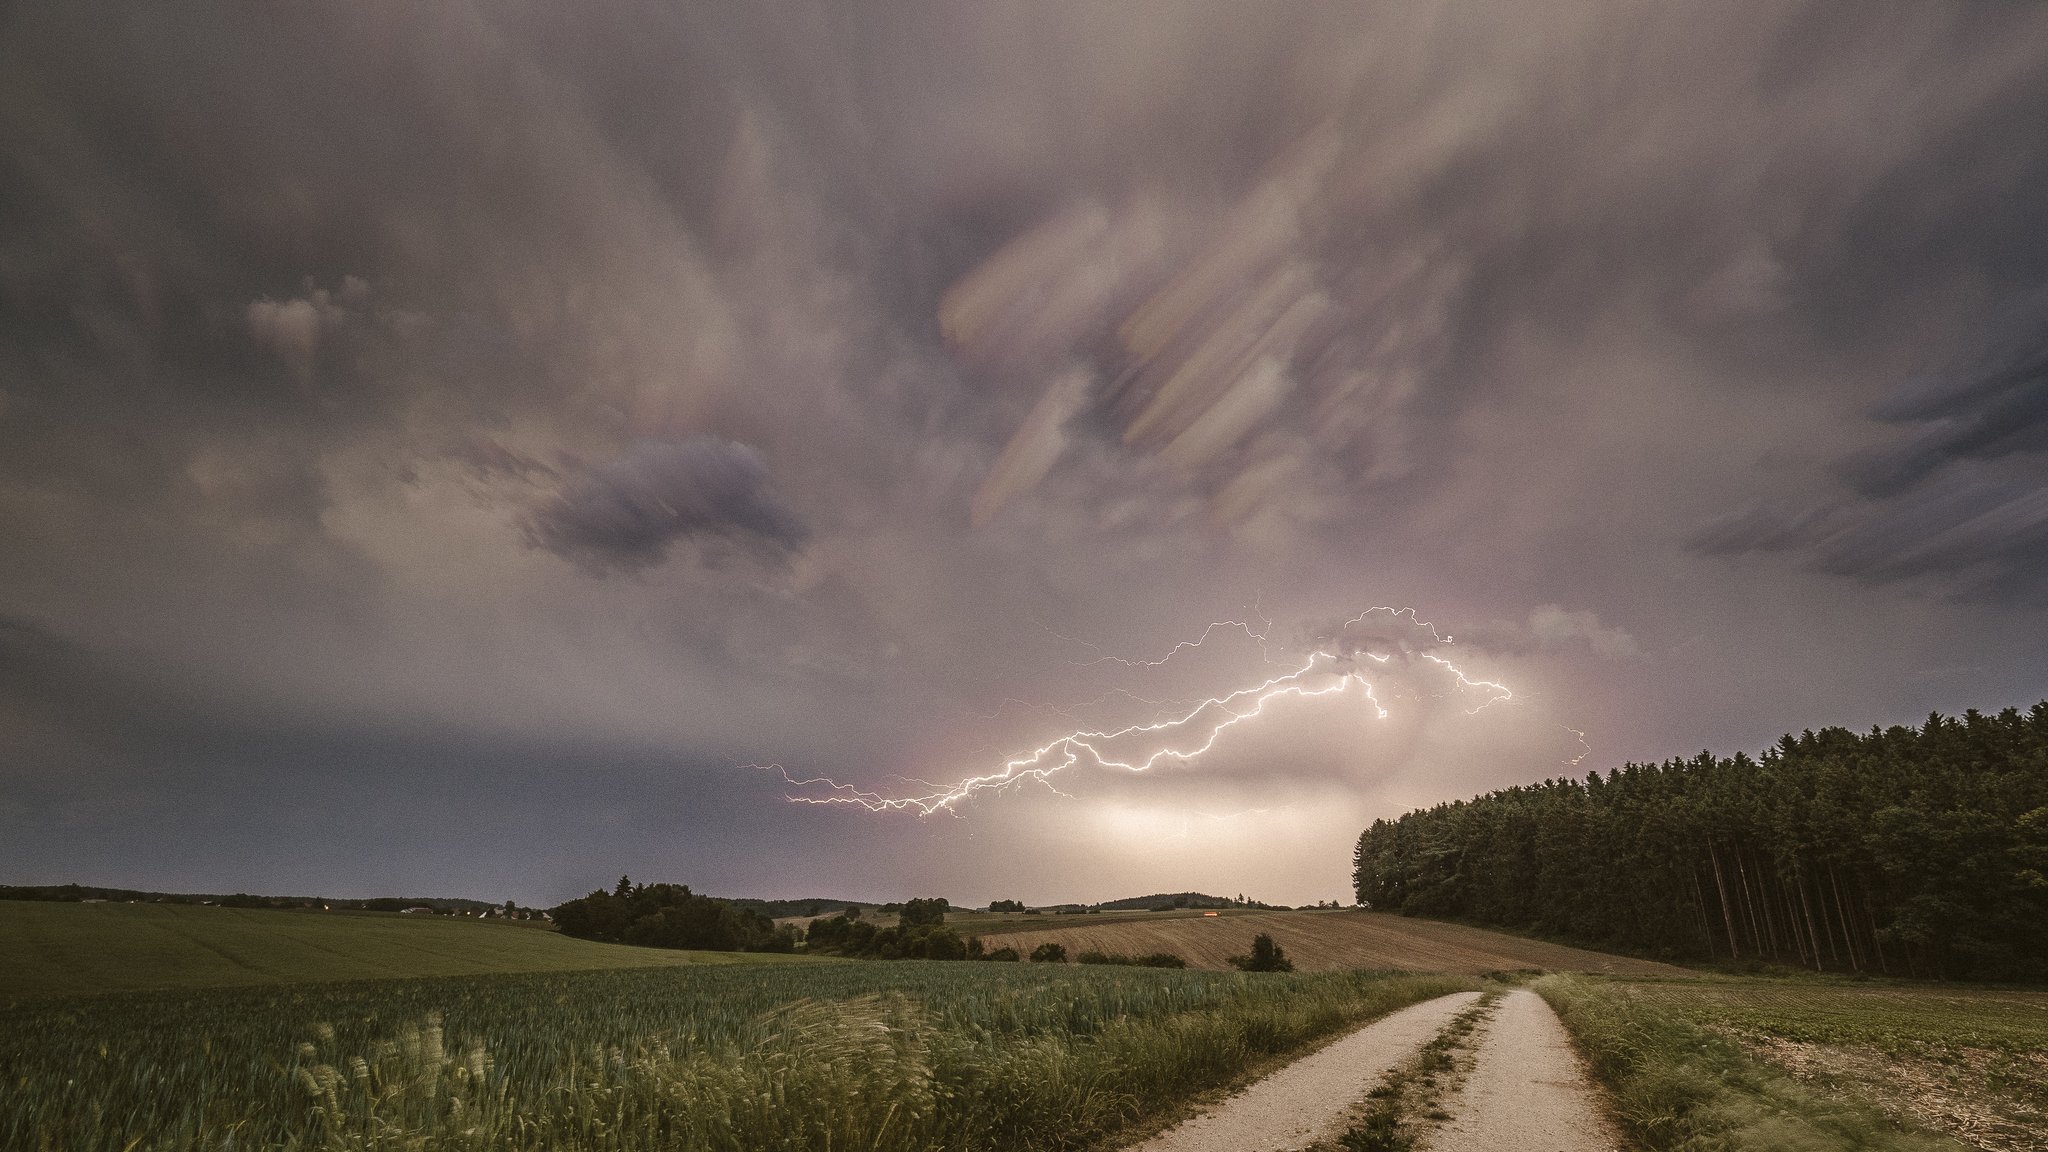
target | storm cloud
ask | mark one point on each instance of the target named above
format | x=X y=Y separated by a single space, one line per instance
x=1956 y=502
x=627 y=512
x=932 y=373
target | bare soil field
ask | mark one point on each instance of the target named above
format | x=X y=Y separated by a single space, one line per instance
x=1324 y=940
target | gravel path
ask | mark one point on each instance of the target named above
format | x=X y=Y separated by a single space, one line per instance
x=1311 y=1098
x=1527 y=1091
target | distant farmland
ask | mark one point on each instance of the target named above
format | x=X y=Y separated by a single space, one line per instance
x=54 y=948
x=1322 y=940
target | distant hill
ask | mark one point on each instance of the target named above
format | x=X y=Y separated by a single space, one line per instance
x=78 y=893
x=811 y=906
x=1165 y=900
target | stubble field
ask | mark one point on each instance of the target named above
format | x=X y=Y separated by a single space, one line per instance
x=1323 y=941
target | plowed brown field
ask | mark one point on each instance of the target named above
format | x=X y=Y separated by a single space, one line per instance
x=1339 y=939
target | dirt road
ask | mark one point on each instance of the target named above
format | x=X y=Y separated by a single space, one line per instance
x=1527 y=1091
x=1310 y=1099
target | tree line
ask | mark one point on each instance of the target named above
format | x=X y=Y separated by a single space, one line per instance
x=1901 y=851
x=670 y=916
x=81 y=893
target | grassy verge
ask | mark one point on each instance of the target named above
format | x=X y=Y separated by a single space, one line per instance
x=1678 y=1084
x=925 y=1056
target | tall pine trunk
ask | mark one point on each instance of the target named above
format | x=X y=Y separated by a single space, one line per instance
x=1875 y=941
x=1727 y=913
x=1842 y=917
x=1813 y=938
x=1699 y=906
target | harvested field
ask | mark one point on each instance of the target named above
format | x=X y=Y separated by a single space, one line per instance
x=1317 y=941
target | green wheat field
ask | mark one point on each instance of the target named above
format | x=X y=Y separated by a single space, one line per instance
x=751 y=1056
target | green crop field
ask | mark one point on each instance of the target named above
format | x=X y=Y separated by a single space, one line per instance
x=881 y=1055
x=57 y=948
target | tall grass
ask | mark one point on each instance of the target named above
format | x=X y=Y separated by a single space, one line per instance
x=925 y=1056
x=1680 y=1087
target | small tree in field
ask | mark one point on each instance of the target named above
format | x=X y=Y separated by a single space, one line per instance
x=1049 y=953
x=1266 y=956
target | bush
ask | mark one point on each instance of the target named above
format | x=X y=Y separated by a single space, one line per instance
x=1049 y=953
x=1149 y=960
x=1005 y=953
x=1266 y=956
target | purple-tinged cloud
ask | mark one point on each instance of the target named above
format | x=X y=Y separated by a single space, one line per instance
x=625 y=515
x=1958 y=504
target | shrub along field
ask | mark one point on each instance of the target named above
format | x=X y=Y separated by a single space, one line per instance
x=871 y=1055
x=1794 y=1064
x=51 y=948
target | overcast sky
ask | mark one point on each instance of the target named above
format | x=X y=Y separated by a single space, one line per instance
x=442 y=448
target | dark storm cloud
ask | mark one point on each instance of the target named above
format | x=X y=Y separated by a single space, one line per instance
x=1956 y=503
x=1994 y=413
x=626 y=513
x=1970 y=534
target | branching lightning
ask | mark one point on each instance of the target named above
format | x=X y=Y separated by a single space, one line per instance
x=1585 y=749
x=1329 y=669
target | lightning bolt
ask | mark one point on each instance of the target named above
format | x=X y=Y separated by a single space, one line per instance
x=1260 y=635
x=1496 y=693
x=1182 y=738
x=1585 y=749
x=1183 y=646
